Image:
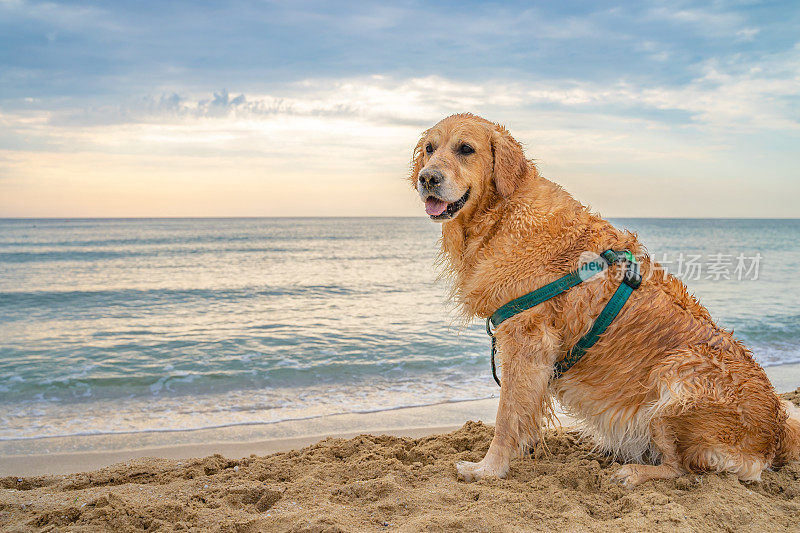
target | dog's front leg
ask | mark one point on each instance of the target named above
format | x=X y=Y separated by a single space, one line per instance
x=528 y=353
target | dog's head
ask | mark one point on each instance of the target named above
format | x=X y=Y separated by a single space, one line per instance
x=465 y=160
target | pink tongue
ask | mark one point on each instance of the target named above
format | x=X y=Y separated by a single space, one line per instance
x=434 y=206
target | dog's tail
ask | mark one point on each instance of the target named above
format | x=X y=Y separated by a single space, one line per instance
x=789 y=449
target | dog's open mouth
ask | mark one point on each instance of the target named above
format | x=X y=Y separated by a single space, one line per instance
x=440 y=210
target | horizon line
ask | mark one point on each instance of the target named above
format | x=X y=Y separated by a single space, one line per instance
x=253 y=217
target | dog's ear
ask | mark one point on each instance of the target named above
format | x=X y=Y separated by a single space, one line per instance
x=417 y=160
x=510 y=166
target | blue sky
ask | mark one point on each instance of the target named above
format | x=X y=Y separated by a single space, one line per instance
x=312 y=108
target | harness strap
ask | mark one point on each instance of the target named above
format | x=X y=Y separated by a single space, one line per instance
x=631 y=281
x=607 y=316
x=552 y=289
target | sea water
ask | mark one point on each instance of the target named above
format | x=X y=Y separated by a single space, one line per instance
x=126 y=326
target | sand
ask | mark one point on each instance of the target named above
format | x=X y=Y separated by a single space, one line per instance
x=68 y=463
x=377 y=483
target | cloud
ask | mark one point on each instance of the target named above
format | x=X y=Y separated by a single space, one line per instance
x=747 y=34
x=725 y=96
x=716 y=21
x=379 y=117
x=119 y=50
x=309 y=89
x=60 y=16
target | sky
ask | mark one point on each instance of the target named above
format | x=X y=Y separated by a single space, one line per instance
x=153 y=108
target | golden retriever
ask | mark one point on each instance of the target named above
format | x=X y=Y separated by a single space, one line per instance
x=664 y=386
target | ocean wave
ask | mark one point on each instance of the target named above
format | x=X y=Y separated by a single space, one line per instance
x=790 y=361
x=101 y=432
x=54 y=412
x=84 y=255
x=84 y=383
x=150 y=297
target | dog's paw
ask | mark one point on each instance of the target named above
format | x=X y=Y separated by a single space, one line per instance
x=628 y=476
x=475 y=471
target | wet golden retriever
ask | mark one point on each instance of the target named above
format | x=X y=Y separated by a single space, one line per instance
x=664 y=388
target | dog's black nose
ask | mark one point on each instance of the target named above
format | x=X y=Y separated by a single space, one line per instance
x=430 y=178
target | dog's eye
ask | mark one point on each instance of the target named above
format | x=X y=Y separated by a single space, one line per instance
x=466 y=149
x=429 y=148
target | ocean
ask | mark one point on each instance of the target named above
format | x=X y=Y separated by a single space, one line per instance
x=128 y=326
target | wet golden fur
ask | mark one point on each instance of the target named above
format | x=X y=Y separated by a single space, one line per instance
x=663 y=385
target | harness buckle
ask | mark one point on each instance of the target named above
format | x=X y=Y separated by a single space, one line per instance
x=610 y=256
x=632 y=278
x=489 y=327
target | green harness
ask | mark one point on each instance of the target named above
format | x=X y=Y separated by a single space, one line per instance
x=630 y=282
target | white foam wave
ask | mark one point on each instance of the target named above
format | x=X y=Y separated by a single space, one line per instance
x=100 y=432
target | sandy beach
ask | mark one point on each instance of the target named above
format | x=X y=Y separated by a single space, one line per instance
x=270 y=266
x=392 y=482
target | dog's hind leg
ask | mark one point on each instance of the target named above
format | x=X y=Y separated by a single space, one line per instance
x=718 y=413
x=528 y=351
x=664 y=440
